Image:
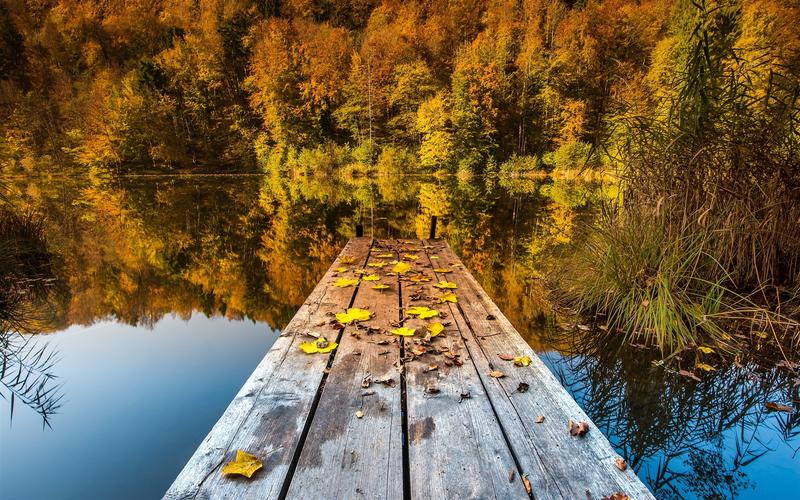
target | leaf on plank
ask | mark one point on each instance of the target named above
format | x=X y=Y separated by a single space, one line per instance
x=435 y=329
x=445 y=285
x=353 y=314
x=245 y=465
x=403 y=331
x=318 y=346
x=345 y=282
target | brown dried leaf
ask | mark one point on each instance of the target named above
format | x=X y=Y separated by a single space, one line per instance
x=496 y=374
x=540 y=419
x=527 y=484
x=578 y=428
x=617 y=496
x=359 y=414
x=523 y=387
x=506 y=357
x=621 y=463
x=366 y=382
x=689 y=374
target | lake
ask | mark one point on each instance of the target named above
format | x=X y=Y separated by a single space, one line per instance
x=171 y=288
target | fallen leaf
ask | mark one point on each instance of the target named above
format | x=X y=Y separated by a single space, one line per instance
x=422 y=311
x=345 y=282
x=244 y=465
x=353 y=314
x=410 y=256
x=540 y=419
x=434 y=257
x=778 y=407
x=371 y=277
x=366 y=382
x=420 y=278
x=403 y=331
x=388 y=382
x=705 y=367
x=578 y=428
x=340 y=269
x=465 y=395
x=432 y=368
x=523 y=387
x=376 y=264
x=359 y=414
x=385 y=256
x=522 y=361
x=496 y=374
x=705 y=350
x=511 y=475
x=318 y=346
x=347 y=259
x=435 y=329
x=527 y=484
x=617 y=496
x=381 y=286
x=448 y=297
x=621 y=463
x=401 y=268
x=418 y=351
x=506 y=357
x=443 y=285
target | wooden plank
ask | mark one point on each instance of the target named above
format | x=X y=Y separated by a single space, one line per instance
x=359 y=456
x=456 y=445
x=267 y=416
x=558 y=465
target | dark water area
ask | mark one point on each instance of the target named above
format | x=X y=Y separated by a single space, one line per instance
x=171 y=289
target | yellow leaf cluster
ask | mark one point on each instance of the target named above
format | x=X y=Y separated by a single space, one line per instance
x=422 y=311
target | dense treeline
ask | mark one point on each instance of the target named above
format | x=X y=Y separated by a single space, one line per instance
x=459 y=83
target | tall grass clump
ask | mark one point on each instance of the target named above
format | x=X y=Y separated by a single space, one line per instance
x=706 y=231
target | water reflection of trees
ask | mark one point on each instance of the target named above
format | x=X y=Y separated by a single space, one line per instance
x=685 y=438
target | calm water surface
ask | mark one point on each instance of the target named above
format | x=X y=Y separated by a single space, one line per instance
x=172 y=288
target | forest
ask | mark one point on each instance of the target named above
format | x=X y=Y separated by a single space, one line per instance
x=685 y=110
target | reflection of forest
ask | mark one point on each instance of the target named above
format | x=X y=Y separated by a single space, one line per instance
x=137 y=248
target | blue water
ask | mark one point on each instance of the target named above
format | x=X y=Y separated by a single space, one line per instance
x=137 y=403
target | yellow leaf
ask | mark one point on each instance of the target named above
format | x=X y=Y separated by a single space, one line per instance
x=385 y=256
x=705 y=350
x=319 y=345
x=522 y=361
x=371 y=277
x=419 y=278
x=345 y=282
x=434 y=257
x=435 y=329
x=422 y=311
x=403 y=331
x=380 y=286
x=443 y=271
x=705 y=367
x=347 y=259
x=410 y=256
x=401 y=268
x=376 y=264
x=445 y=285
x=340 y=269
x=353 y=314
x=448 y=297
x=244 y=465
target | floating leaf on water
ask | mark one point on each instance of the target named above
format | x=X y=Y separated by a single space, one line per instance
x=403 y=331
x=422 y=311
x=448 y=297
x=444 y=285
x=435 y=329
x=376 y=264
x=244 y=465
x=380 y=286
x=345 y=282
x=401 y=268
x=318 y=346
x=353 y=314
x=522 y=361
x=371 y=277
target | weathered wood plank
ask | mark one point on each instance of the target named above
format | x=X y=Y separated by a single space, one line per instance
x=558 y=465
x=456 y=445
x=268 y=414
x=350 y=456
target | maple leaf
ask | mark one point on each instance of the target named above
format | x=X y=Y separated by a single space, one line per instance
x=420 y=278
x=435 y=329
x=353 y=314
x=578 y=428
x=705 y=350
x=371 y=277
x=522 y=361
x=244 y=465
x=448 y=297
x=340 y=269
x=401 y=268
x=403 y=331
x=422 y=311
x=380 y=286
x=445 y=285
x=345 y=282
x=376 y=264
x=318 y=346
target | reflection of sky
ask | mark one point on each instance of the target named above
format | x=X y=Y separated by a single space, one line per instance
x=774 y=475
x=137 y=403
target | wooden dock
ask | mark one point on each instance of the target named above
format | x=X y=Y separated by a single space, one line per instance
x=391 y=416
